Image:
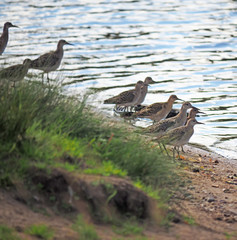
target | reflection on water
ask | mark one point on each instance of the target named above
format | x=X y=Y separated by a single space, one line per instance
x=188 y=47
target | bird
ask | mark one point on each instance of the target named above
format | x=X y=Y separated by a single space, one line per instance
x=16 y=72
x=157 y=111
x=161 y=127
x=5 y=35
x=128 y=96
x=137 y=96
x=179 y=136
x=50 y=61
x=147 y=81
x=192 y=114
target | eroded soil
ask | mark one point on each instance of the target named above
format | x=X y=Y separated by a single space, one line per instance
x=208 y=202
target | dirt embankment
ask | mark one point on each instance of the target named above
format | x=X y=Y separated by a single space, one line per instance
x=206 y=208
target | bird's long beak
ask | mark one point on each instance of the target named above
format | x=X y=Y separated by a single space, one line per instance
x=195 y=108
x=201 y=112
x=69 y=43
x=180 y=99
x=152 y=81
x=199 y=122
x=15 y=26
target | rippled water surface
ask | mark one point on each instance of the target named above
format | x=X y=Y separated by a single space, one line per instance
x=188 y=47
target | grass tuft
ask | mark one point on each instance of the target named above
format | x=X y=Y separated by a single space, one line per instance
x=41 y=231
x=128 y=227
x=85 y=231
x=7 y=233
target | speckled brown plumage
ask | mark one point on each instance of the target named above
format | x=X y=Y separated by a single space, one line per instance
x=157 y=111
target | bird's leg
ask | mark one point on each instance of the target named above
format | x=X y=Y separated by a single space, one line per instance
x=116 y=109
x=178 y=153
x=48 y=77
x=163 y=145
x=182 y=149
x=131 y=108
x=43 y=78
x=120 y=108
x=174 y=152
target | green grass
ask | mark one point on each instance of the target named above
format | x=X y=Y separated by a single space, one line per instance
x=128 y=227
x=39 y=126
x=84 y=230
x=7 y=233
x=140 y=160
x=41 y=231
x=106 y=168
x=230 y=236
x=189 y=220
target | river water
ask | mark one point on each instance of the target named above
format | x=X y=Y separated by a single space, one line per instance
x=188 y=47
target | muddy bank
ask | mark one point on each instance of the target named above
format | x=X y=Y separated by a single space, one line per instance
x=211 y=196
x=205 y=208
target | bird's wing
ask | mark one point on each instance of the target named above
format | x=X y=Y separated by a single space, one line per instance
x=173 y=135
x=121 y=98
x=150 y=110
x=11 y=72
x=47 y=59
x=162 y=126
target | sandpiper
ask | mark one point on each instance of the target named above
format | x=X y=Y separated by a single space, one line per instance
x=50 y=61
x=5 y=35
x=137 y=96
x=128 y=96
x=147 y=81
x=161 y=127
x=192 y=114
x=180 y=136
x=157 y=111
x=16 y=72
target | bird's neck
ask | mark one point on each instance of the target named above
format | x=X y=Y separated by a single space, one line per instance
x=189 y=127
x=145 y=87
x=169 y=104
x=191 y=115
x=182 y=114
x=190 y=130
x=137 y=93
x=59 y=49
x=5 y=32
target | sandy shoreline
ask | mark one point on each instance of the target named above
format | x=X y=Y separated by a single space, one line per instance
x=211 y=196
x=194 y=150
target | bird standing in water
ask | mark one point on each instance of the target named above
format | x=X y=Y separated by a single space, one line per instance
x=147 y=81
x=137 y=96
x=128 y=96
x=157 y=111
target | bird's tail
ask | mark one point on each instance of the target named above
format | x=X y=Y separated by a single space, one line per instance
x=110 y=101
